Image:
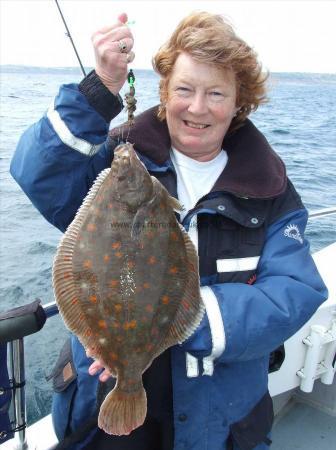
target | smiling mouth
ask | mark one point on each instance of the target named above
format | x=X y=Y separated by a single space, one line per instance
x=197 y=126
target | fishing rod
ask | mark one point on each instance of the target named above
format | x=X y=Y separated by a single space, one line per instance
x=69 y=36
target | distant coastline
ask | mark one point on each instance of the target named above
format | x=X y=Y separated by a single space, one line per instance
x=13 y=68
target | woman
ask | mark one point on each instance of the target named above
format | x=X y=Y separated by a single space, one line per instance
x=259 y=283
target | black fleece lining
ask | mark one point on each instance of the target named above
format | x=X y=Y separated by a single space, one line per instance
x=253 y=169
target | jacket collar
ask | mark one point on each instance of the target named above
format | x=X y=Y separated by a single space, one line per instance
x=253 y=169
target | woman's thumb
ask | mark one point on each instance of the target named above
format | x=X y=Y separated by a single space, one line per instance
x=123 y=18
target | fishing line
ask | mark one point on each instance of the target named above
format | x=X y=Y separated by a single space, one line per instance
x=71 y=40
x=129 y=97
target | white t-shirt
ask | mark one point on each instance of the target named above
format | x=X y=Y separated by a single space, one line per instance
x=194 y=180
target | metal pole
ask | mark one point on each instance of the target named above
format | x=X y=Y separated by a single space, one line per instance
x=69 y=36
x=322 y=212
x=19 y=396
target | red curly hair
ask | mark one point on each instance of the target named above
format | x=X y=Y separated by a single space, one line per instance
x=209 y=39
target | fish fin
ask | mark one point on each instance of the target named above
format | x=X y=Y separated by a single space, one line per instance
x=191 y=308
x=172 y=201
x=64 y=284
x=138 y=222
x=175 y=204
x=122 y=412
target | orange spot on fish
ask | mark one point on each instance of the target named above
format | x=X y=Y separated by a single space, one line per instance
x=87 y=264
x=110 y=205
x=130 y=264
x=130 y=325
x=174 y=235
x=118 y=308
x=113 y=283
x=93 y=298
x=152 y=260
x=102 y=324
x=113 y=356
x=67 y=258
x=185 y=305
x=118 y=254
x=67 y=275
x=91 y=227
x=146 y=285
x=165 y=300
x=116 y=245
x=149 y=347
x=149 y=308
x=75 y=301
x=88 y=333
x=173 y=270
x=107 y=258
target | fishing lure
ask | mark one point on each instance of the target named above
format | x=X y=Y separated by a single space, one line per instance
x=130 y=98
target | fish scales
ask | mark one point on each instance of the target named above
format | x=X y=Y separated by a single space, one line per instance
x=126 y=281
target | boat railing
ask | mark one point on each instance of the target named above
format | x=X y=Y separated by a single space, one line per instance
x=13 y=330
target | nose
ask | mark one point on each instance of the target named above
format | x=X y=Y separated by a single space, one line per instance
x=198 y=104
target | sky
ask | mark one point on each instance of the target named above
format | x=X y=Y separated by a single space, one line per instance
x=288 y=35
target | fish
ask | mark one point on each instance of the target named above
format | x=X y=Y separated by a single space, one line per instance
x=126 y=281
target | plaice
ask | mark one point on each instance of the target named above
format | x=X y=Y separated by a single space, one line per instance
x=126 y=281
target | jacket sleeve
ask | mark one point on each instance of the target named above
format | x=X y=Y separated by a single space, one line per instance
x=58 y=158
x=253 y=320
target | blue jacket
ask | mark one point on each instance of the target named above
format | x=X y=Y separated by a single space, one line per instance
x=254 y=300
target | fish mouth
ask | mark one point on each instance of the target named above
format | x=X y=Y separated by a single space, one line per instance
x=126 y=163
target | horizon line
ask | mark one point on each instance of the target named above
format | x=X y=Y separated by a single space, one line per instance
x=147 y=69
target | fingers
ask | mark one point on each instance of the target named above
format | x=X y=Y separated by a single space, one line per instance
x=123 y=18
x=116 y=45
x=104 y=376
x=90 y=352
x=95 y=367
x=113 y=51
x=130 y=57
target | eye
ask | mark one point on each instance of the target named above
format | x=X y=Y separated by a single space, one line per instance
x=216 y=94
x=183 y=90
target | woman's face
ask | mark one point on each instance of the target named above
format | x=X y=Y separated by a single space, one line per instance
x=201 y=104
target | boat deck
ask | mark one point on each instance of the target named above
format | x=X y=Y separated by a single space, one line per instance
x=303 y=427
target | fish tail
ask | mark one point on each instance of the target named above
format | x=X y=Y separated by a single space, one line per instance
x=122 y=412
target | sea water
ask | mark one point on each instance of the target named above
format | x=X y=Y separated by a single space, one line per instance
x=299 y=121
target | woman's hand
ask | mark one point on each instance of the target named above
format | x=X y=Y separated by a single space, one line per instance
x=113 y=51
x=96 y=366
